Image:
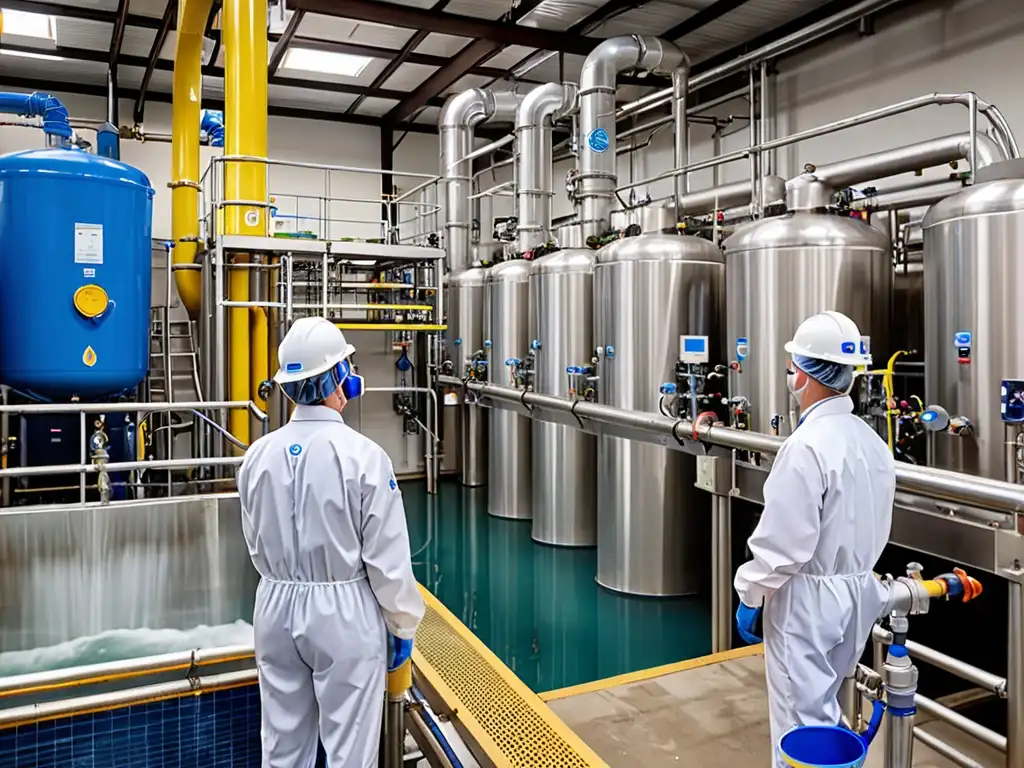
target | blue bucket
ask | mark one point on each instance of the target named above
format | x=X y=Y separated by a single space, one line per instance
x=823 y=746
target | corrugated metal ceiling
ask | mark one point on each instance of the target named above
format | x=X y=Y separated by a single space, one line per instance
x=654 y=17
x=442 y=45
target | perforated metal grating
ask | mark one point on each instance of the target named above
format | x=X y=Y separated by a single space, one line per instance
x=486 y=695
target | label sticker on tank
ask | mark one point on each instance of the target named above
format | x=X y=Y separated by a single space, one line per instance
x=89 y=357
x=88 y=243
x=962 y=339
x=597 y=140
x=252 y=217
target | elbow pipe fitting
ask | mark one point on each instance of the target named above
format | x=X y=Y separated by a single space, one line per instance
x=55 y=115
x=211 y=121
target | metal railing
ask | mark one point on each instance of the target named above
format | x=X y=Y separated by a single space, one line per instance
x=96 y=462
x=332 y=214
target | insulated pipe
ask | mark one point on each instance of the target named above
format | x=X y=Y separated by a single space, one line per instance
x=907 y=159
x=55 y=115
x=245 y=101
x=459 y=117
x=773 y=50
x=185 y=119
x=534 y=119
x=596 y=163
x=730 y=196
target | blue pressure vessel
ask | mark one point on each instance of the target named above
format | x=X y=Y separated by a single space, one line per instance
x=75 y=279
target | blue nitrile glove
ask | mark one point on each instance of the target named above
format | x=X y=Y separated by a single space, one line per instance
x=746 y=623
x=399 y=651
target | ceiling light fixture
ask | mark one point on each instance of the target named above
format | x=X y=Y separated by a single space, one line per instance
x=325 y=62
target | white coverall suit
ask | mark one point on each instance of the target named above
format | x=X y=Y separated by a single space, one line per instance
x=827 y=514
x=325 y=525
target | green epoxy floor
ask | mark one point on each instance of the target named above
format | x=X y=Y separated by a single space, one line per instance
x=538 y=607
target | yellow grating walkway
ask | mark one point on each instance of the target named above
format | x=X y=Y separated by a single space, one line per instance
x=508 y=720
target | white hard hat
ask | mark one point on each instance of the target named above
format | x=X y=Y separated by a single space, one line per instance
x=830 y=336
x=311 y=346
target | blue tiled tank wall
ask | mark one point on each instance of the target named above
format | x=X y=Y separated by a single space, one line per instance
x=213 y=730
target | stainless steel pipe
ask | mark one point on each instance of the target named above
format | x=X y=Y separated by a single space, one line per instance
x=534 y=120
x=952 y=717
x=1015 y=676
x=907 y=198
x=721 y=577
x=459 y=117
x=995 y=495
x=596 y=162
x=949 y=752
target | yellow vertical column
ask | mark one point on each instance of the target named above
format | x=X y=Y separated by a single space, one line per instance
x=188 y=90
x=244 y=24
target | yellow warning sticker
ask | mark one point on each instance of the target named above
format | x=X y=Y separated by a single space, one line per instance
x=91 y=301
x=89 y=357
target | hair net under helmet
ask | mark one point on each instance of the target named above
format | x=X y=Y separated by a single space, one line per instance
x=832 y=375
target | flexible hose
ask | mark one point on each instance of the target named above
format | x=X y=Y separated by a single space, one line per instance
x=877 y=712
x=435 y=730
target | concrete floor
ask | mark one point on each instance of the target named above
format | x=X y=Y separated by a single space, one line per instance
x=713 y=716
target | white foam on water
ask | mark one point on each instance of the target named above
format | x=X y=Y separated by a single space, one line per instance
x=117 y=644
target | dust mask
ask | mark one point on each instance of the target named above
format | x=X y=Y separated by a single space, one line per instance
x=791 y=374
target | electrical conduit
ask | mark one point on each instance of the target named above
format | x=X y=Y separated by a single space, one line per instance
x=245 y=100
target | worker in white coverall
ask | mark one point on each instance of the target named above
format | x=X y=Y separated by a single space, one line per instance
x=827 y=514
x=337 y=604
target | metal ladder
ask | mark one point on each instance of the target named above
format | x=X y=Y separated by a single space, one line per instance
x=170 y=342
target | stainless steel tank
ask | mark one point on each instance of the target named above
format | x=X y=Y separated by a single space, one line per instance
x=508 y=313
x=648 y=291
x=465 y=335
x=564 y=458
x=974 y=284
x=782 y=270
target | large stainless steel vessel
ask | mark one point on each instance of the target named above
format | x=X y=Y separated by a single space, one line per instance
x=508 y=313
x=648 y=291
x=782 y=270
x=466 y=294
x=974 y=284
x=564 y=458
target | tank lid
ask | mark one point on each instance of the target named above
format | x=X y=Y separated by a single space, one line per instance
x=71 y=161
x=801 y=229
x=658 y=247
x=473 y=276
x=1004 y=195
x=513 y=271
x=566 y=261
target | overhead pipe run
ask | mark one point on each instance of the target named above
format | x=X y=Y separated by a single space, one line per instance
x=597 y=173
x=460 y=115
x=534 y=118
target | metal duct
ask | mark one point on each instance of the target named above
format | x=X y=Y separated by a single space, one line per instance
x=598 y=177
x=535 y=154
x=459 y=117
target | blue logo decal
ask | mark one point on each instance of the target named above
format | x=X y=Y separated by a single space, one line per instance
x=863 y=347
x=962 y=339
x=393 y=484
x=293 y=367
x=848 y=347
x=597 y=140
x=294 y=449
x=742 y=348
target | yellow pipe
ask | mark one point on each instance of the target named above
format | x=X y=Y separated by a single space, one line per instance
x=239 y=355
x=259 y=367
x=188 y=88
x=244 y=27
